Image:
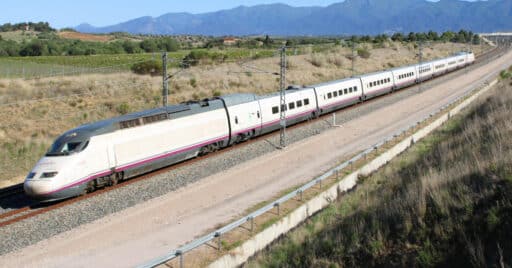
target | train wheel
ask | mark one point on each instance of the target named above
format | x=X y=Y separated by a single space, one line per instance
x=114 y=180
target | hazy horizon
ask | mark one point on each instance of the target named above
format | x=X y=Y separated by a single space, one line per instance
x=62 y=14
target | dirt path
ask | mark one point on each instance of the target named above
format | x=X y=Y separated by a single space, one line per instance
x=154 y=228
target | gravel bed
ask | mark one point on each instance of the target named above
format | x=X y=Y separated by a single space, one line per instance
x=43 y=226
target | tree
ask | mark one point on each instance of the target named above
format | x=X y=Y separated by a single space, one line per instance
x=149 y=45
x=447 y=36
x=267 y=42
x=411 y=37
x=291 y=43
x=169 y=44
x=433 y=36
x=34 y=48
x=476 y=40
x=148 y=67
x=130 y=47
x=397 y=37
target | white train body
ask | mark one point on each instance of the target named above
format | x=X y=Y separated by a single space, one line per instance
x=404 y=76
x=376 y=84
x=338 y=94
x=300 y=105
x=102 y=153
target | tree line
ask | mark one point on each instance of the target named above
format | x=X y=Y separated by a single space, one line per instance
x=32 y=26
x=52 y=45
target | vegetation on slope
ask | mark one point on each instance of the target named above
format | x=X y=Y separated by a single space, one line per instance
x=445 y=203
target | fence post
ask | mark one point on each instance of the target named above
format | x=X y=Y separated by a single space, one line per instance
x=278 y=209
x=179 y=253
x=217 y=234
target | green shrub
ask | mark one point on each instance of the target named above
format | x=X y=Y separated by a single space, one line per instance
x=123 y=108
x=363 y=53
x=193 y=82
x=202 y=56
x=217 y=93
x=147 y=67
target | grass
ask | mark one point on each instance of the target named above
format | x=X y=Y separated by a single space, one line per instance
x=446 y=202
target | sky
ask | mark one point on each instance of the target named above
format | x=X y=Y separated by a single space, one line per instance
x=68 y=13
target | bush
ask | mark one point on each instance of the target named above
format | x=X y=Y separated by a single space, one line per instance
x=363 y=53
x=193 y=82
x=201 y=56
x=147 y=67
x=123 y=108
x=317 y=60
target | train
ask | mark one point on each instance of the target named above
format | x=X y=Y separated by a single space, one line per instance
x=103 y=153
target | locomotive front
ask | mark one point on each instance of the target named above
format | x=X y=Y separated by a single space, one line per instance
x=57 y=175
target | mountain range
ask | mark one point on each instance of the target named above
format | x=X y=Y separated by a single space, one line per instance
x=345 y=18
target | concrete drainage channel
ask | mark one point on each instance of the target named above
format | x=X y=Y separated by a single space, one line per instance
x=242 y=251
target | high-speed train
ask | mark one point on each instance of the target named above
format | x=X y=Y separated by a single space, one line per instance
x=103 y=153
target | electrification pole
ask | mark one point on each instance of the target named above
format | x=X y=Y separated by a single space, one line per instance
x=353 y=58
x=282 y=84
x=165 y=91
x=420 y=46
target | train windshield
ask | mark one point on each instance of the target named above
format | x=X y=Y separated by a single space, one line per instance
x=60 y=148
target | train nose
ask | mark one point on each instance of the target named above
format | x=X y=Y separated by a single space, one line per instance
x=38 y=188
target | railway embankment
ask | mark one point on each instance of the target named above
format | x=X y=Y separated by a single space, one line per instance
x=446 y=201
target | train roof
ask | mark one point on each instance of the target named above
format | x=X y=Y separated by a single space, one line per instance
x=238 y=98
x=144 y=117
x=289 y=89
x=335 y=81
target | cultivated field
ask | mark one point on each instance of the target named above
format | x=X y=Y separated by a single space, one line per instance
x=35 y=111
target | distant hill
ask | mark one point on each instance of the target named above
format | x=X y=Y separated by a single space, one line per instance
x=348 y=17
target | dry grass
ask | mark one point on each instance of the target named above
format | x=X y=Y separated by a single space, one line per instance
x=447 y=202
x=44 y=108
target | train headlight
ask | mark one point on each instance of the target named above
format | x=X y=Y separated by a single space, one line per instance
x=47 y=175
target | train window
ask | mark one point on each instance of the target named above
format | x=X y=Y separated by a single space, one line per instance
x=154 y=118
x=291 y=105
x=355 y=88
x=275 y=110
x=283 y=107
x=335 y=93
x=306 y=101
x=236 y=120
x=130 y=123
x=299 y=103
x=345 y=91
x=329 y=95
x=340 y=92
x=350 y=89
x=60 y=147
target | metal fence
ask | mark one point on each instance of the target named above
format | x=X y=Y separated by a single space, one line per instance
x=179 y=252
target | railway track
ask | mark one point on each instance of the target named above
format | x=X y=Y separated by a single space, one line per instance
x=33 y=209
